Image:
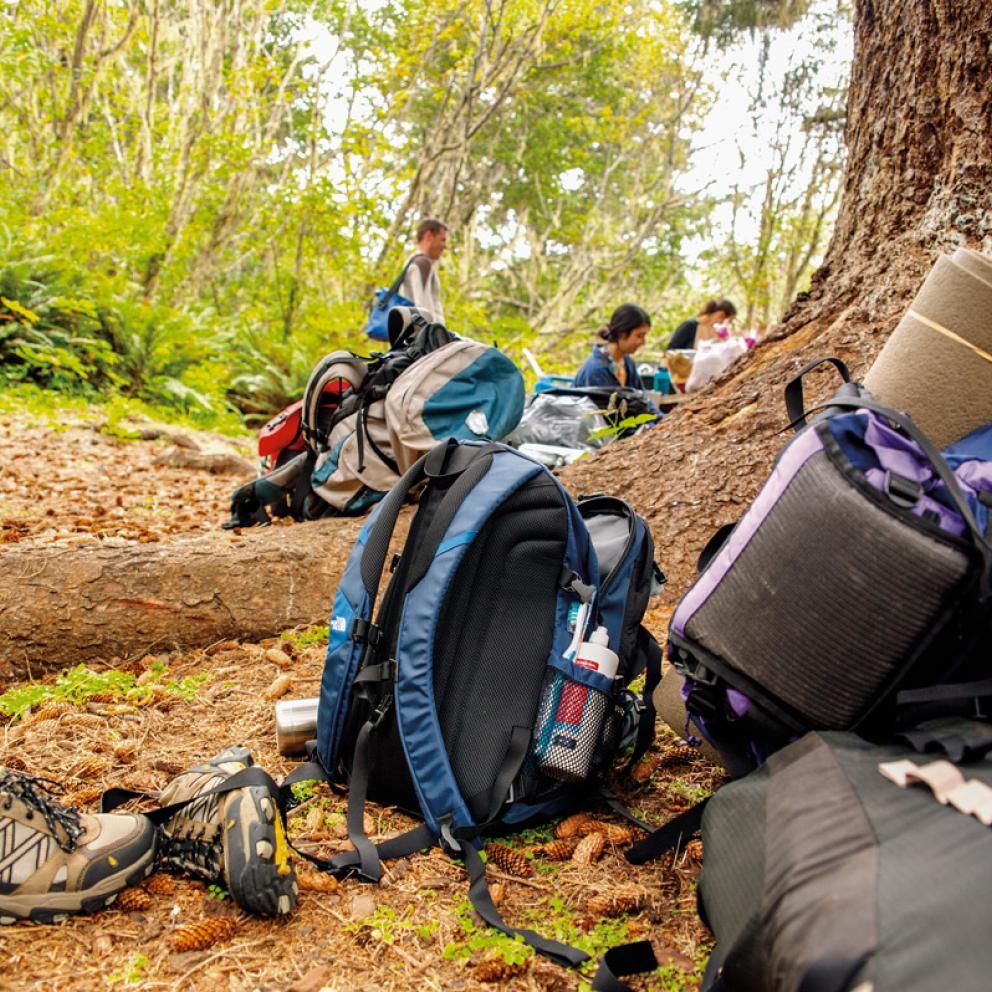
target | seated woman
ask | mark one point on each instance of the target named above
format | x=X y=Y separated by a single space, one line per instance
x=610 y=363
x=691 y=332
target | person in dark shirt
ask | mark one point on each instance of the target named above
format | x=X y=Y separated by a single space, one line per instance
x=690 y=332
x=610 y=363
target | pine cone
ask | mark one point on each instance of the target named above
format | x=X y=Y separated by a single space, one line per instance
x=558 y=850
x=159 y=885
x=168 y=766
x=133 y=901
x=590 y=849
x=278 y=687
x=616 y=903
x=613 y=832
x=83 y=797
x=104 y=697
x=124 y=753
x=678 y=754
x=78 y=719
x=511 y=861
x=316 y=881
x=694 y=850
x=644 y=769
x=90 y=767
x=571 y=826
x=50 y=711
x=200 y=936
x=497 y=970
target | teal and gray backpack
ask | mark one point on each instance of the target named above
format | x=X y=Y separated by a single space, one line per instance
x=388 y=410
x=464 y=699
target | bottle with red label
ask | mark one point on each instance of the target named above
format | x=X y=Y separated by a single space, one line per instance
x=572 y=714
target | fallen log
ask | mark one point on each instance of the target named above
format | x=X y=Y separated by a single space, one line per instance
x=63 y=604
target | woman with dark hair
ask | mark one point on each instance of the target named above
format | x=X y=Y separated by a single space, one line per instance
x=690 y=332
x=610 y=363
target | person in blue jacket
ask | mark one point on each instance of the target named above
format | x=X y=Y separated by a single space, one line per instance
x=610 y=363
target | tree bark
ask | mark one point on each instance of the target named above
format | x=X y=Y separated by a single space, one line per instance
x=60 y=606
x=918 y=183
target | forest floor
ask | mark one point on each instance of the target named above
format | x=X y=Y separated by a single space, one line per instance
x=75 y=482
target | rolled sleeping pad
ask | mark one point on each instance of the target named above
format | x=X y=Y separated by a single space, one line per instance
x=670 y=707
x=937 y=364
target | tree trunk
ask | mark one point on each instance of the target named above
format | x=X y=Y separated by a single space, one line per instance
x=64 y=605
x=918 y=183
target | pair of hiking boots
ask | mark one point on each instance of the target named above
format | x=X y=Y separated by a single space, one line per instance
x=56 y=860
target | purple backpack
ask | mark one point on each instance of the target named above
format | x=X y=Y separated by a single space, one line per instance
x=854 y=594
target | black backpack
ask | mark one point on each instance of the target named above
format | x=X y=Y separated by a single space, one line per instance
x=822 y=874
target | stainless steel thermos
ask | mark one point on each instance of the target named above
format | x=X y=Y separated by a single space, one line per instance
x=296 y=723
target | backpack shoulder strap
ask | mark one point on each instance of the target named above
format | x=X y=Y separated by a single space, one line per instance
x=384 y=303
x=351 y=630
x=495 y=472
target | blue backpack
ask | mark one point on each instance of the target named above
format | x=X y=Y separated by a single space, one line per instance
x=465 y=701
x=382 y=303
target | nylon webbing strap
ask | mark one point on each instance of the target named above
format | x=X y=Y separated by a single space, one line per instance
x=627 y=959
x=652 y=678
x=419 y=839
x=950 y=692
x=618 y=807
x=251 y=776
x=377 y=545
x=445 y=513
x=794 y=402
x=383 y=304
x=369 y=866
x=961 y=742
x=303 y=486
x=491 y=800
x=483 y=904
x=668 y=837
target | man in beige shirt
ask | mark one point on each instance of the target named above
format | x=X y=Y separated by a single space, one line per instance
x=421 y=283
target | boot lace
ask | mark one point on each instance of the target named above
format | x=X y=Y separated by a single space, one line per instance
x=37 y=794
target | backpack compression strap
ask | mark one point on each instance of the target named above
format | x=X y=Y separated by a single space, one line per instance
x=638 y=957
x=421 y=839
x=377 y=678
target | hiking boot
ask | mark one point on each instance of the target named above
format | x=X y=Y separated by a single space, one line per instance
x=235 y=838
x=55 y=860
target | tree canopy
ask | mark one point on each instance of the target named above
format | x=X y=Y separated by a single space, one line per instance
x=201 y=196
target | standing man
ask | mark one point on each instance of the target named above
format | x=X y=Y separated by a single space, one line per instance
x=421 y=284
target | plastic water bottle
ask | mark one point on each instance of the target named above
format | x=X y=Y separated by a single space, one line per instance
x=572 y=718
